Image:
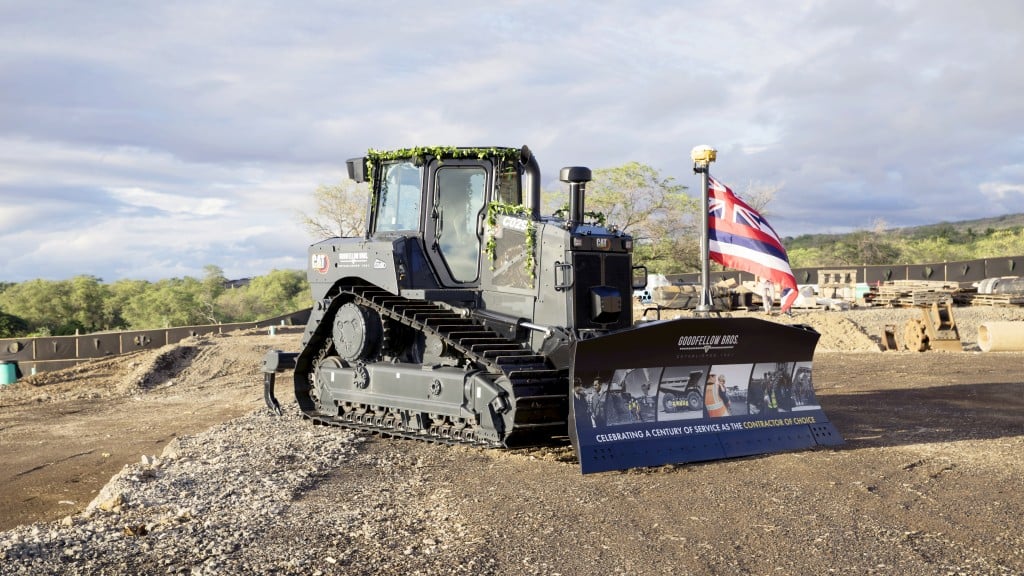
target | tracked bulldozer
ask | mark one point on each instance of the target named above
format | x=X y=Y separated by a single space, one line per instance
x=463 y=315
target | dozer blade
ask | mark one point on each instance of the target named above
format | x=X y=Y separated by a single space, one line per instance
x=695 y=389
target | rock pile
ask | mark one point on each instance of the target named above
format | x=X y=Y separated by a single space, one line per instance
x=196 y=508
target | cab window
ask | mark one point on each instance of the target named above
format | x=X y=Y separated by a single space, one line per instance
x=398 y=201
x=460 y=202
x=508 y=190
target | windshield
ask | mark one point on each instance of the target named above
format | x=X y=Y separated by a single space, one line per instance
x=398 y=204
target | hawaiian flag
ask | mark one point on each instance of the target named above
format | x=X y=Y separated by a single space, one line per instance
x=740 y=238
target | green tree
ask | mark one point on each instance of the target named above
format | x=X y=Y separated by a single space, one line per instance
x=996 y=243
x=119 y=302
x=280 y=292
x=84 y=309
x=933 y=249
x=240 y=305
x=41 y=303
x=806 y=257
x=657 y=212
x=340 y=211
x=85 y=304
x=212 y=287
x=59 y=307
x=12 y=326
x=862 y=247
x=170 y=302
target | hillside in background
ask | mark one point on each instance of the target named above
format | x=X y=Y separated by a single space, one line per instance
x=945 y=241
x=979 y=226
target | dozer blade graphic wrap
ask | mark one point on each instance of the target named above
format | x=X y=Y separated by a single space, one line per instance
x=695 y=389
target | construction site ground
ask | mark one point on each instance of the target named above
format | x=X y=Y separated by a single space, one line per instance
x=930 y=480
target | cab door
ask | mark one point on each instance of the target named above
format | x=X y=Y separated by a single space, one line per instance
x=455 y=217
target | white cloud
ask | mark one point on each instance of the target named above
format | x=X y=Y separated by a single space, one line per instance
x=140 y=198
x=222 y=117
x=999 y=191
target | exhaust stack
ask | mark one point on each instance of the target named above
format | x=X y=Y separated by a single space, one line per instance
x=577 y=178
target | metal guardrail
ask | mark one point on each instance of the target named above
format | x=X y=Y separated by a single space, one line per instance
x=31 y=355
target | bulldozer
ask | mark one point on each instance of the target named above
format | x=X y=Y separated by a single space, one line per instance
x=464 y=316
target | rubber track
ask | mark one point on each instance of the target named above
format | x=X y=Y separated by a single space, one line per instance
x=541 y=393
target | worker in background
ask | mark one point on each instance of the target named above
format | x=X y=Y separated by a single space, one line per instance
x=767 y=294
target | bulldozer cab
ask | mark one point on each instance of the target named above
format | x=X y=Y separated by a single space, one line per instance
x=444 y=203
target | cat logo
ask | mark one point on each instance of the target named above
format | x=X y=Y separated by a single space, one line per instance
x=320 y=263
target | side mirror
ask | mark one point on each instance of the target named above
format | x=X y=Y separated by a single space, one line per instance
x=356 y=169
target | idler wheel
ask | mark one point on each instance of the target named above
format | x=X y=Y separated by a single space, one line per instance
x=316 y=389
x=357 y=332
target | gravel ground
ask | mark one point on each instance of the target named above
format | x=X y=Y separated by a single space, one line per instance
x=197 y=508
x=929 y=482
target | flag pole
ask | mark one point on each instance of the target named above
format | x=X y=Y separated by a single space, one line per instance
x=702 y=157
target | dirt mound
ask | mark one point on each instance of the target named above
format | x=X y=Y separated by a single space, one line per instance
x=66 y=432
x=112 y=376
x=839 y=333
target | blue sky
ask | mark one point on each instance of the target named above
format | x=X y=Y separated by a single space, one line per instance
x=145 y=140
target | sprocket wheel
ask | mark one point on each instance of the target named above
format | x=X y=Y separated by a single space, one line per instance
x=357 y=332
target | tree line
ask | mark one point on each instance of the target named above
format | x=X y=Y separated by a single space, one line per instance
x=85 y=304
x=880 y=246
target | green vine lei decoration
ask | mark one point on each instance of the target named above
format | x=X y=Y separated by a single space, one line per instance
x=506 y=156
x=494 y=209
x=597 y=217
x=373 y=156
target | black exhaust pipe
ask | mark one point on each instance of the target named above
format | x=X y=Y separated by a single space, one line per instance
x=577 y=177
x=532 y=169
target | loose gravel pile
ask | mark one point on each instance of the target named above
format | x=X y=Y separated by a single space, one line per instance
x=198 y=508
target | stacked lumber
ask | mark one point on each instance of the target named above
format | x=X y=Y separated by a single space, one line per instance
x=910 y=293
x=973 y=299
